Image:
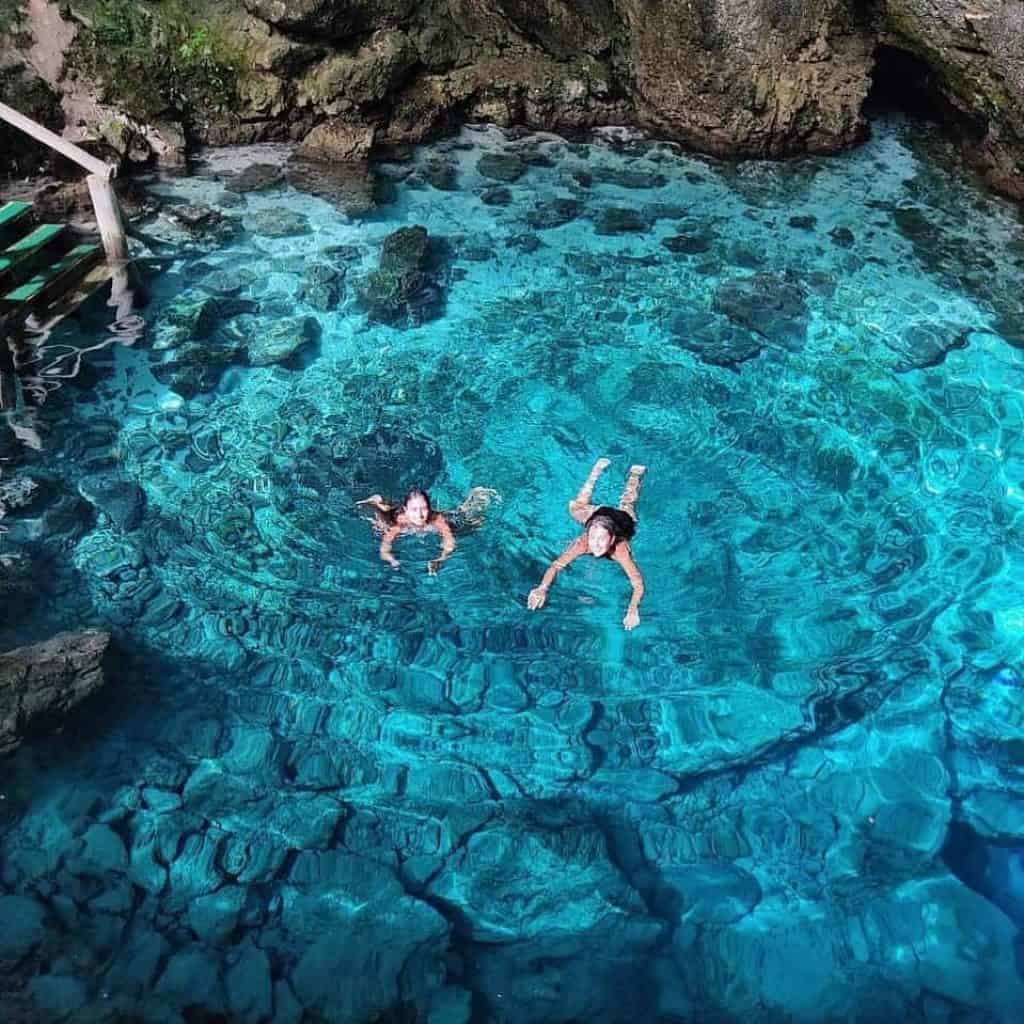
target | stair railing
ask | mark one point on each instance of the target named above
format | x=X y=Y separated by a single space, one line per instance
x=100 y=181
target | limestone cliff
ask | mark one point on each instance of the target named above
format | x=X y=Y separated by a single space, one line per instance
x=730 y=77
x=975 y=51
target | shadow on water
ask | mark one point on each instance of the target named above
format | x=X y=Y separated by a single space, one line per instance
x=141 y=685
x=993 y=869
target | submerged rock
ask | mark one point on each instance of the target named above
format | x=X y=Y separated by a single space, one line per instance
x=619 y=220
x=842 y=236
x=499 y=196
x=193 y=343
x=767 y=304
x=714 y=340
x=351 y=188
x=121 y=499
x=40 y=684
x=688 y=245
x=803 y=222
x=24 y=925
x=395 y=943
x=921 y=345
x=404 y=250
x=503 y=167
x=553 y=213
x=229 y=281
x=19 y=588
x=196 y=366
x=391 y=455
x=277 y=223
x=256 y=178
x=280 y=340
x=203 y=223
x=626 y=177
x=323 y=285
x=401 y=291
x=441 y=174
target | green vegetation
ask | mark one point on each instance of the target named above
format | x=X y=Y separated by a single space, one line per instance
x=157 y=58
x=11 y=16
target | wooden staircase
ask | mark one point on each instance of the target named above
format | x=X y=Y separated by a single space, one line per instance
x=41 y=267
x=38 y=265
x=43 y=273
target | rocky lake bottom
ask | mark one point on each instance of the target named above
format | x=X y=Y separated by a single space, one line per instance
x=316 y=789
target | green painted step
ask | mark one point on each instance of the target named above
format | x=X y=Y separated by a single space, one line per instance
x=76 y=260
x=13 y=213
x=25 y=247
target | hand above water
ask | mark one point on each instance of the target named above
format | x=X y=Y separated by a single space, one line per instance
x=632 y=619
x=537 y=598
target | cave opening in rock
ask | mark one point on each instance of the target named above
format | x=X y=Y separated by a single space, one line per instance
x=902 y=82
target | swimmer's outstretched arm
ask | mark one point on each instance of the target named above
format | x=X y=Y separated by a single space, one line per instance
x=447 y=543
x=376 y=501
x=624 y=557
x=385 y=545
x=540 y=594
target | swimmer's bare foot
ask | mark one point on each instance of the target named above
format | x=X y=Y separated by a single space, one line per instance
x=629 y=495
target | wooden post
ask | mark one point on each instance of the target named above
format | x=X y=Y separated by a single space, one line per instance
x=104 y=201
x=108 y=218
x=8 y=376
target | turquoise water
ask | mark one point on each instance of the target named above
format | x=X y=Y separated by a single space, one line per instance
x=317 y=789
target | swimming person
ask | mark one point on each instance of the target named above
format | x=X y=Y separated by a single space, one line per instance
x=607 y=533
x=417 y=515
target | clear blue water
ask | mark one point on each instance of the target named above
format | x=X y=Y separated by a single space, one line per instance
x=316 y=789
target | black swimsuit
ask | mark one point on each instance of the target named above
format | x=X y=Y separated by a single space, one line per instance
x=623 y=525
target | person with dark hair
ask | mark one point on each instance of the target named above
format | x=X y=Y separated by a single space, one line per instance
x=606 y=533
x=416 y=515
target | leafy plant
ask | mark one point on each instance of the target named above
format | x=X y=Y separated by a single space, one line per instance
x=156 y=58
x=11 y=16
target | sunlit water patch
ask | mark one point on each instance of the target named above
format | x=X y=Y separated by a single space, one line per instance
x=319 y=789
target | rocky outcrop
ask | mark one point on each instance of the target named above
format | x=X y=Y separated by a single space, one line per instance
x=44 y=681
x=761 y=79
x=734 y=79
x=337 y=141
x=975 y=55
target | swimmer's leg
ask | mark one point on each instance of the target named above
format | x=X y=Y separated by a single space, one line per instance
x=632 y=490
x=580 y=507
x=383 y=512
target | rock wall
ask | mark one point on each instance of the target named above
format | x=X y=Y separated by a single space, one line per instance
x=976 y=51
x=730 y=77
x=46 y=680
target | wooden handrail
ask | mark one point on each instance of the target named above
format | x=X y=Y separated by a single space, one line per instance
x=101 y=174
x=93 y=165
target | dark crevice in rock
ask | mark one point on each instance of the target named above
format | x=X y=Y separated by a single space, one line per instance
x=626 y=855
x=829 y=713
x=902 y=82
x=992 y=869
x=597 y=752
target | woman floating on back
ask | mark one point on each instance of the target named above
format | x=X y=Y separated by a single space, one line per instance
x=607 y=533
x=416 y=515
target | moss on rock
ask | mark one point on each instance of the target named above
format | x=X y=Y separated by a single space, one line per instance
x=158 y=59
